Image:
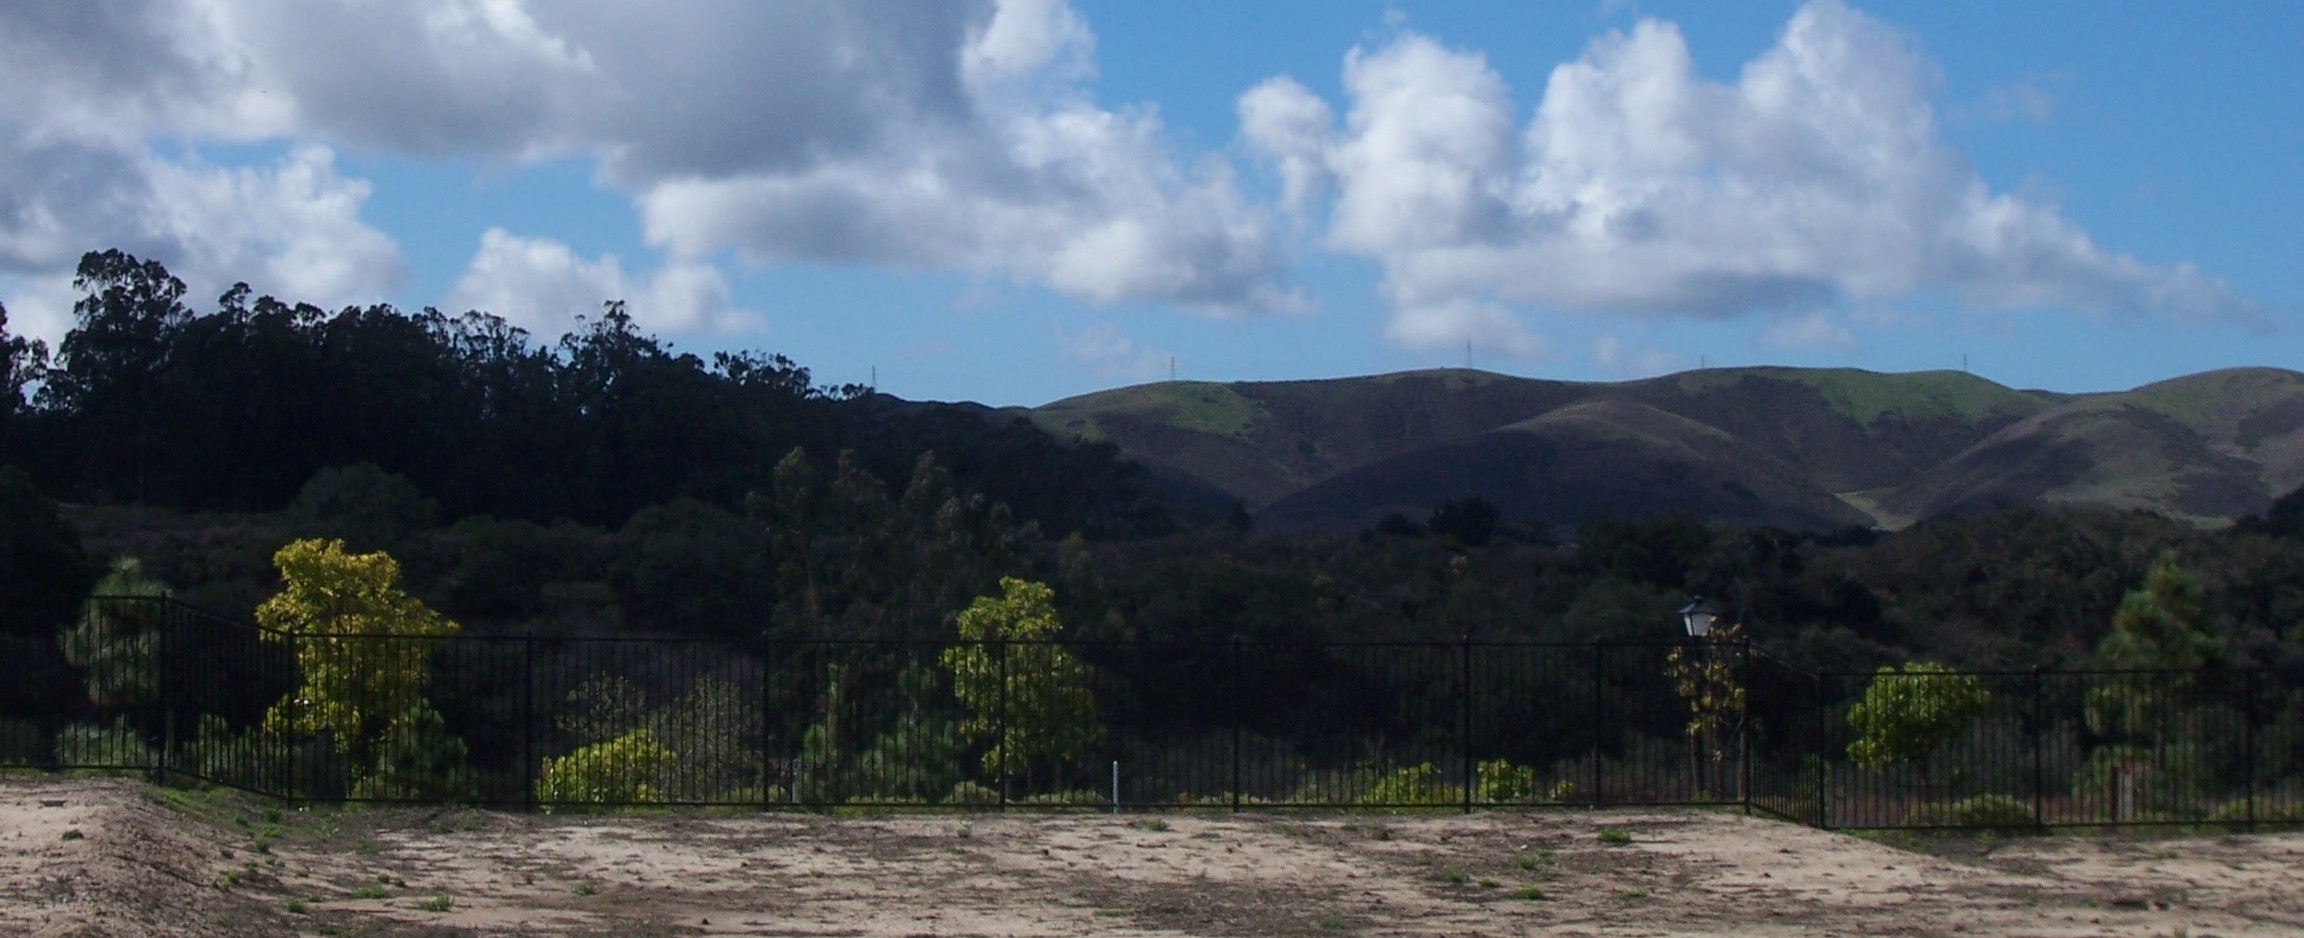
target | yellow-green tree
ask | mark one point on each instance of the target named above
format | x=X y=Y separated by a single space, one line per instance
x=1705 y=677
x=1026 y=696
x=1909 y=713
x=363 y=648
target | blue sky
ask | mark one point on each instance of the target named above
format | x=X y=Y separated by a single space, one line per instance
x=1019 y=201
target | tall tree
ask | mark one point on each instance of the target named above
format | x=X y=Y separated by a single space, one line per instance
x=2156 y=655
x=113 y=360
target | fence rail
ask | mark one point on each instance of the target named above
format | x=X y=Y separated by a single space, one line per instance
x=556 y=723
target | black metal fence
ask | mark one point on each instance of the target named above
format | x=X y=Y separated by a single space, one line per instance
x=559 y=723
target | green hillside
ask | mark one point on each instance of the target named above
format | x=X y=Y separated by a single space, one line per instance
x=1883 y=448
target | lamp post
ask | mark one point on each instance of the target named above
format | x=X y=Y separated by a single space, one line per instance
x=1697 y=617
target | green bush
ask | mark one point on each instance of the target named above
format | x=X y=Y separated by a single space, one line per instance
x=2268 y=811
x=624 y=770
x=1066 y=799
x=248 y=759
x=971 y=793
x=91 y=745
x=1999 y=813
x=1418 y=784
x=1502 y=782
x=20 y=743
x=417 y=759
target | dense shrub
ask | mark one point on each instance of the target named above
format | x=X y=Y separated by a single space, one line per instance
x=1999 y=813
x=629 y=769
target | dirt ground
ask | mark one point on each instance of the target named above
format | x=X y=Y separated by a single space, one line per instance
x=109 y=857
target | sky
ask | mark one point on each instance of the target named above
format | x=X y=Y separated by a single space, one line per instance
x=1016 y=201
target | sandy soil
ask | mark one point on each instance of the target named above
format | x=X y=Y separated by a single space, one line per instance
x=111 y=857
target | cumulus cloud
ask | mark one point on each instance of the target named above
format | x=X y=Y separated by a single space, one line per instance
x=1817 y=179
x=291 y=227
x=1104 y=349
x=541 y=285
x=950 y=135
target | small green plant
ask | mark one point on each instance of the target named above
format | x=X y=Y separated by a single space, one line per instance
x=1636 y=892
x=1998 y=813
x=624 y=770
x=370 y=891
x=1533 y=860
x=1615 y=836
x=1418 y=784
x=1332 y=923
x=295 y=906
x=440 y=903
x=1153 y=824
x=1452 y=874
x=1531 y=894
x=1504 y=783
x=587 y=889
x=1489 y=884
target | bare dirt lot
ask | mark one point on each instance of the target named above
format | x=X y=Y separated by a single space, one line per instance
x=113 y=857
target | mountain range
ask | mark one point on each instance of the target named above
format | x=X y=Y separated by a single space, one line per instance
x=1813 y=449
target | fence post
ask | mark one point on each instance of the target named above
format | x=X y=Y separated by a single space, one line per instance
x=1000 y=737
x=768 y=651
x=1823 y=753
x=1596 y=800
x=1464 y=715
x=2248 y=744
x=2039 y=752
x=767 y=759
x=1744 y=721
x=528 y=765
x=1238 y=715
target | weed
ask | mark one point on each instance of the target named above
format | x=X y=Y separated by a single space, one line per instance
x=1452 y=874
x=587 y=889
x=295 y=906
x=366 y=845
x=1530 y=893
x=1153 y=824
x=1636 y=892
x=1533 y=861
x=440 y=903
x=1332 y=923
x=73 y=834
x=1615 y=836
x=1110 y=913
x=272 y=815
x=370 y=891
x=263 y=843
x=966 y=832
x=1489 y=884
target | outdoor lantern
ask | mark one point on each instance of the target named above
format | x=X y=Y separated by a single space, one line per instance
x=1698 y=617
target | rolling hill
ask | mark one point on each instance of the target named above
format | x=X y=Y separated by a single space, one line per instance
x=1801 y=448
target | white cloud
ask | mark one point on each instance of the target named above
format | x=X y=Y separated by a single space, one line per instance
x=1815 y=180
x=541 y=285
x=290 y=228
x=1811 y=330
x=1612 y=356
x=1288 y=124
x=956 y=135
x=1111 y=354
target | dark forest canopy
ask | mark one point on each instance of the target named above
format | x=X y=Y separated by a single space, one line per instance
x=150 y=402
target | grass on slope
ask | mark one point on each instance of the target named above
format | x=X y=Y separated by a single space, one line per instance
x=2203 y=399
x=1868 y=396
x=1197 y=406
